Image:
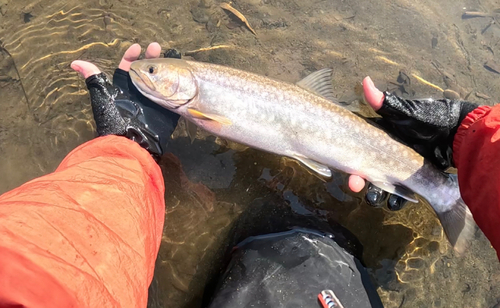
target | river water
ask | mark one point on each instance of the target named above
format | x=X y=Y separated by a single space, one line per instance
x=213 y=186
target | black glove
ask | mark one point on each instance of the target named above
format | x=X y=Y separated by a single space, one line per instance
x=120 y=109
x=428 y=126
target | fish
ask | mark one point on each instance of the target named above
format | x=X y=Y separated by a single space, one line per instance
x=302 y=121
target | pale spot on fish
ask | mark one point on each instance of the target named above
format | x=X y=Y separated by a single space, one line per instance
x=328 y=134
x=293 y=121
x=356 y=129
x=305 y=125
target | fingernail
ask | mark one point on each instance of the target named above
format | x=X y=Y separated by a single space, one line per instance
x=76 y=68
x=370 y=81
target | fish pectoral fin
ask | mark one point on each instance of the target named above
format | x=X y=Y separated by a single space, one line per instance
x=191 y=129
x=315 y=166
x=320 y=82
x=401 y=191
x=207 y=116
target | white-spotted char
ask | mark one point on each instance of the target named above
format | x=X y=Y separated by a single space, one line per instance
x=301 y=121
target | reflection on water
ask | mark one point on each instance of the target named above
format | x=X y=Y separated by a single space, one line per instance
x=217 y=195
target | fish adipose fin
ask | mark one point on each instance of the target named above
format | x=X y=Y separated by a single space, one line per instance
x=320 y=82
x=315 y=166
x=397 y=190
x=457 y=221
x=207 y=116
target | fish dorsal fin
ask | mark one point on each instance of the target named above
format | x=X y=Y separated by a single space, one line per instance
x=397 y=190
x=320 y=82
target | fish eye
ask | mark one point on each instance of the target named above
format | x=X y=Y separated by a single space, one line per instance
x=152 y=69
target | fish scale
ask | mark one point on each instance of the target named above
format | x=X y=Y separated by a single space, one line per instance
x=296 y=120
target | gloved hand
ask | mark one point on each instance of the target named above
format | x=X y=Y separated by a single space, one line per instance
x=120 y=109
x=428 y=126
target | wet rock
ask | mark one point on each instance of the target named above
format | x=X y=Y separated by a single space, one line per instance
x=205 y=4
x=492 y=67
x=269 y=23
x=7 y=68
x=211 y=26
x=450 y=94
x=27 y=17
x=3 y=7
x=200 y=14
x=434 y=42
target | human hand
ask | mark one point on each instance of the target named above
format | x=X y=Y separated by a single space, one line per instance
x=119 y=109
x=428 y=126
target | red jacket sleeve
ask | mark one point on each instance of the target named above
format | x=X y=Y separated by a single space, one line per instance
x=86 y=235
x=476 y=151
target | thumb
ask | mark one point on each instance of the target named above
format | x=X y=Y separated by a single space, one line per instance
x=86 y=69
x=373 y=96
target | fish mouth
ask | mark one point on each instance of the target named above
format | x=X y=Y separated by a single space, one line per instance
x=142 y=82
x=148 y=89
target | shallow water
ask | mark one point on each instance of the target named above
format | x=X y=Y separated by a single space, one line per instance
x=210 y=184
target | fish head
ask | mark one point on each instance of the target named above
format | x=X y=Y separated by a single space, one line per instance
x=167 y=82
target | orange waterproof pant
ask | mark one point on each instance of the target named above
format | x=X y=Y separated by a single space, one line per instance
x=86 y=235
x=476 y=151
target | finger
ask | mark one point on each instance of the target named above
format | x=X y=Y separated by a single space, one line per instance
x=86 y=69
x=395 y=203
x=373 y=96
x=132 y=54
x=153 y=51
x=375 y=196
x=356 y=183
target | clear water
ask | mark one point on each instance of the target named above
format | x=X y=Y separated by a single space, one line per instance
x=210 y=184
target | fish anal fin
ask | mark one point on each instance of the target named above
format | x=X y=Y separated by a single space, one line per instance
x=315 y=166
x=401 y=191
x=208 y=116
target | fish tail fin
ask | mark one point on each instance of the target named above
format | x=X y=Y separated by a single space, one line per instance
x=458 y=223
